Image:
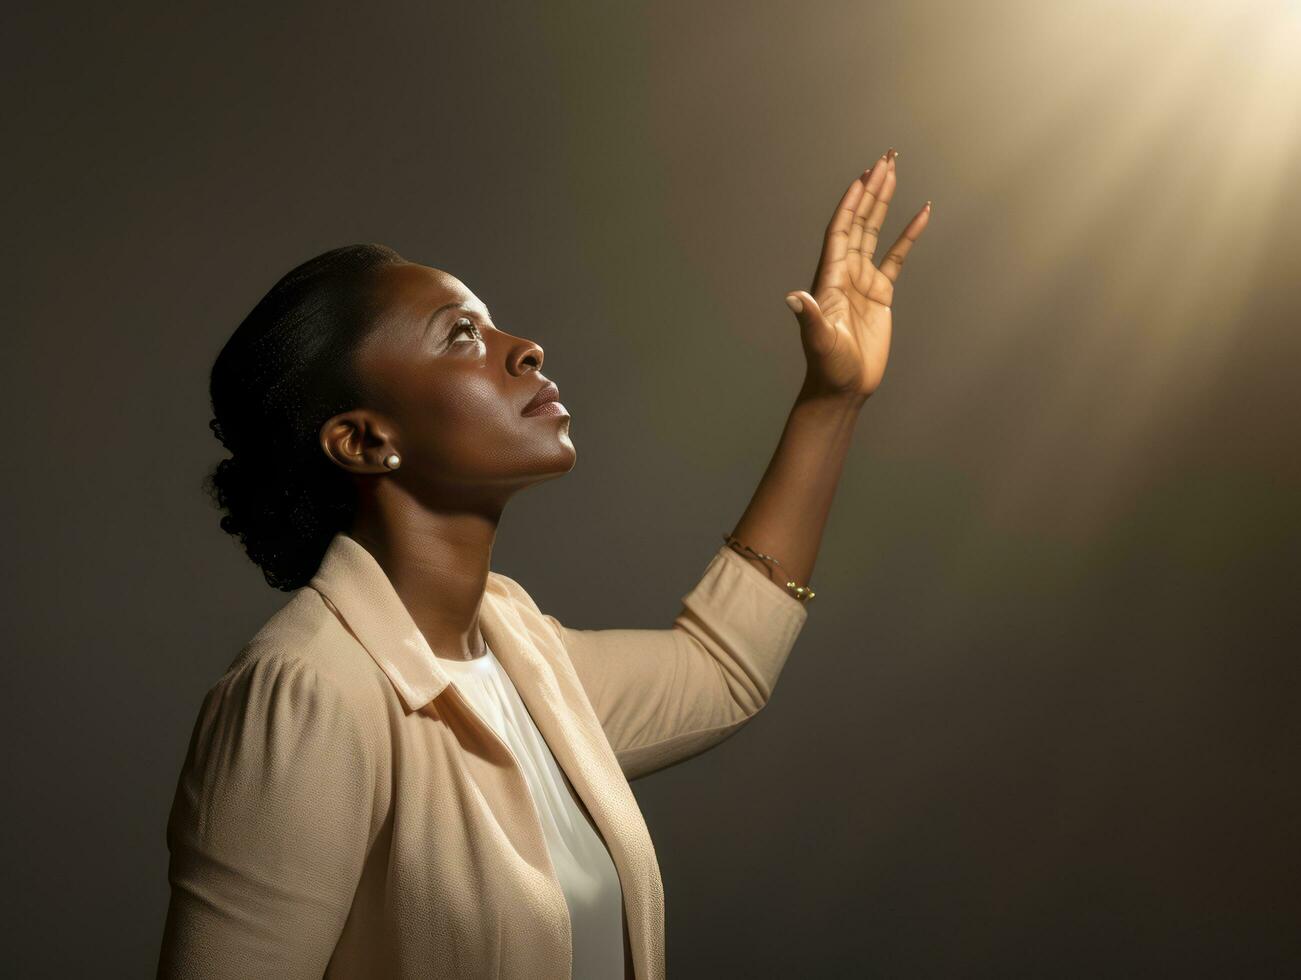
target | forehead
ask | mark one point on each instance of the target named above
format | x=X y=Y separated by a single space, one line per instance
x=409 y=294
x=413 y=289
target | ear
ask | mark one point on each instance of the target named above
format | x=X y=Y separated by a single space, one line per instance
x=358 y=441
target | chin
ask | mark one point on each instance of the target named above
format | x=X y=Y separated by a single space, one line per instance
x=572 y=452
x=560 y=459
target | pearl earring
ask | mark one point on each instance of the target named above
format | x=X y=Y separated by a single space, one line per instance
x=392 y=461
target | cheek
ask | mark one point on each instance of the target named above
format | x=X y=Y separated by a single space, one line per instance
x=466 y=427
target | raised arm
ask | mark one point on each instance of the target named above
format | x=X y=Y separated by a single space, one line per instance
x=845 y=327
x=663 y=696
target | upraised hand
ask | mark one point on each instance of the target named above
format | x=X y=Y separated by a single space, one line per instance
x=845 y=320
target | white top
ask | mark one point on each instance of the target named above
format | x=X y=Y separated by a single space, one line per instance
x=587 y=875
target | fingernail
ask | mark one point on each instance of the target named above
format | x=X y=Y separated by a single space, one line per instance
x=928 y=205
x=894 y=154
x=794 y=303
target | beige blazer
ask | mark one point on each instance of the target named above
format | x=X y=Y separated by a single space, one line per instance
x=343 y=812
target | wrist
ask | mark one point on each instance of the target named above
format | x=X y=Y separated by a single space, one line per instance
x=830 y=401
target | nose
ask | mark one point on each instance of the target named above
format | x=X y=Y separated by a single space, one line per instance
x=526 y=353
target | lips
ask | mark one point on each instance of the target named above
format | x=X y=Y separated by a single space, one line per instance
x=547 y=393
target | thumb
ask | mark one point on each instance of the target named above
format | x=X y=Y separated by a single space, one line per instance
x=817 y=333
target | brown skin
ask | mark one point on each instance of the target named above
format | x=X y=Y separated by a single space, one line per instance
x=845 y=327
x=449 y=402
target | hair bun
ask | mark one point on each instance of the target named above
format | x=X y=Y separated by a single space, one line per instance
x=287 y=368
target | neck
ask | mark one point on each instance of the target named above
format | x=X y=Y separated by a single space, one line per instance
x=437 y=562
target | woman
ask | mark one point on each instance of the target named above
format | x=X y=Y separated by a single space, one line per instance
x=410 y=770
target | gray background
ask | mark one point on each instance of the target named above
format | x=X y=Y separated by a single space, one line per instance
x=1042 y=719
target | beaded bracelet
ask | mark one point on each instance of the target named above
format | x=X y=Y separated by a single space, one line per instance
x=800 y=592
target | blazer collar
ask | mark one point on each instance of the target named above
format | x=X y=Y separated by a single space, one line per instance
x=355 y=584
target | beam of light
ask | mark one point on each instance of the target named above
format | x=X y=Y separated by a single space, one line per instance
x=1211 y=95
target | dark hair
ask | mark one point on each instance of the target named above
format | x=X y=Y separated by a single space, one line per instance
x=285 y=370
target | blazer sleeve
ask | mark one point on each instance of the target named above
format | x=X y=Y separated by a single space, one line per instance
x=663 y=696
x=269 y=827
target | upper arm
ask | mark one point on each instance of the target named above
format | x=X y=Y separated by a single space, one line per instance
x=269 y=827
x=665 y=695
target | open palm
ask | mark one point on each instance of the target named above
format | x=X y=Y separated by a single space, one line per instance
x=845 y=318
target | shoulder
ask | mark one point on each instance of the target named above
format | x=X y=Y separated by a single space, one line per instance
x=304 y=658
x=509 y=592
x=506 y=588
x=544 y=629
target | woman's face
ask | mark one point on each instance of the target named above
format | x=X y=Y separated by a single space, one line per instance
x=446 y=388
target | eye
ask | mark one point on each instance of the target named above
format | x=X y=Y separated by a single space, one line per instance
x=462 y=323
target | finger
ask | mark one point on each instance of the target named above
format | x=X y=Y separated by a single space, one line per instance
x=835 y=241
x=875 y=221
x=871 y=180
x=892 y=264
x=818 y=334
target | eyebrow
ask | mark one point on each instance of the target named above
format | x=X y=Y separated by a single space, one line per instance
x=458 y=304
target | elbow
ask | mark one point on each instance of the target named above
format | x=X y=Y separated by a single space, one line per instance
x=746 y=673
